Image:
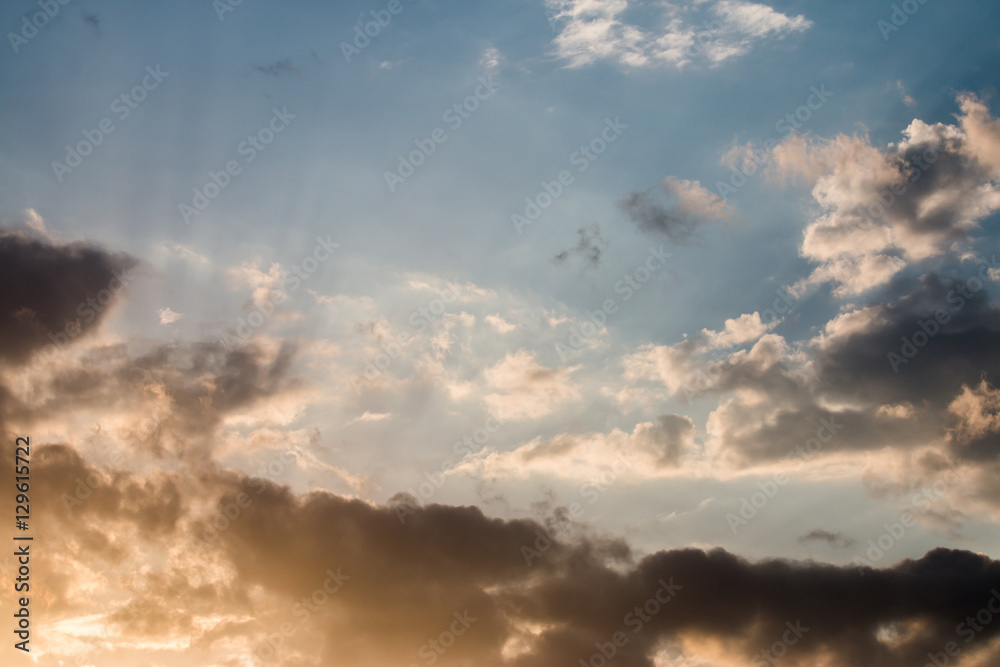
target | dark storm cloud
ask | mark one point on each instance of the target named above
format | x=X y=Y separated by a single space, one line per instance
x=407 y=580
x=47 y=288
x=935 y=337
x=555 y=593
x=411 y=576
x=960 y=351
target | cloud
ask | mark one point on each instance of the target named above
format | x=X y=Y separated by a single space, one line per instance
x=265 y=285
x=907 y=100
x=491 y=59
x=279 y=67
x=588 y=248
x=371 y=417
x=590 y=31
x=886 y=209
x=832 y=539
x=177 y=554
x=744 y=329
x=675 y=209
x=54 y=292
x=408 y=572
x=649 y=450
x=524 y=389
x=185 y=253
x=94 y=21
x=168 y=316
x=499 y=323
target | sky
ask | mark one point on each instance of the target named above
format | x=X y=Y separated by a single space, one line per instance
x=521 y=333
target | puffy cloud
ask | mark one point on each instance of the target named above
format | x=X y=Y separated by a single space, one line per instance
x=883 y=210
x=743 y=329
x=264 y=284
x=524 y=389
x=651 y=449
x=165 y=552
x=511 y=592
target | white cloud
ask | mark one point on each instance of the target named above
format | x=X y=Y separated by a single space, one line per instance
x=264 y=284
x=500 y=324
x=369 y=417
x=591 y=30
x=652 y=449
x=743 y=329
x=883 y=209
x=524 y=389
x=491 y=59
x=168 y=316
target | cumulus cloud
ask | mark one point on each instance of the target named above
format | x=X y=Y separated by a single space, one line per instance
x=524 y=389
x=885 y=209
x=650 y=449
x=193 y=561
x=743 y=329
x=527 y=596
